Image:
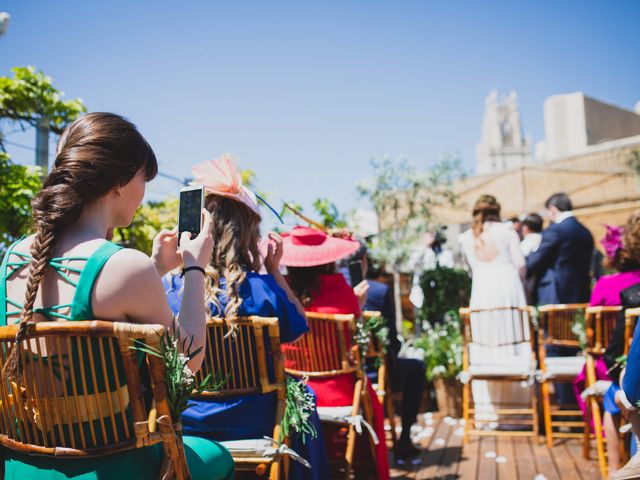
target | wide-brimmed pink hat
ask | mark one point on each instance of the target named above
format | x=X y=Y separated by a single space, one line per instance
x=308 y=247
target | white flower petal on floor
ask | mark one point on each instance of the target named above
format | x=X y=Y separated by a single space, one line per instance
x=440 y=441
x=459 y=432
x=539 y=477
x=490 y=455
x=415 y=428
x=501 y=459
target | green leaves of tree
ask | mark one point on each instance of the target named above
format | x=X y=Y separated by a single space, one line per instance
x=29 y=97
x=18 y=185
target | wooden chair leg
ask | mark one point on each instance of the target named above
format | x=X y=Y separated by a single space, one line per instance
x=388 y=406
x=466 y=398
x=367 y=410
x=546 y=411
x=274 y=473
x=597 y=422
x=535 y=416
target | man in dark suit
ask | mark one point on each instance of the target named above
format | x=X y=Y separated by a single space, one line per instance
x=405 y=375
x=563 y=259
x=562 y=264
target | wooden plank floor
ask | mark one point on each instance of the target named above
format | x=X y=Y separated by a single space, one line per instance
x=486 y=458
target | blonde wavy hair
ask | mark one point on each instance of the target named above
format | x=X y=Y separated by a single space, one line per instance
x=236 y=233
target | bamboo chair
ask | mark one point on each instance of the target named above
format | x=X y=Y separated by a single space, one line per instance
x=243 y=359
x=324 y=352
x=515 y=332
x=81 y=393
x=555 y=328
x=383 y=387
x=600 y=323
x=630 y=319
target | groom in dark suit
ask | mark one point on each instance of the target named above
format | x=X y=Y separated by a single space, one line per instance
x=562 y=263
x=563 y=259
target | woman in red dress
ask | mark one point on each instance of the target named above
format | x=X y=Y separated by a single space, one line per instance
x=310 y=257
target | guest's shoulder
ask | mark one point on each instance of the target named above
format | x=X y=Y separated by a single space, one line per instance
x=377 y=288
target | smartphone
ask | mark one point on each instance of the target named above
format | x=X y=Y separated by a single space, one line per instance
x=355 y=272
x=191 y=201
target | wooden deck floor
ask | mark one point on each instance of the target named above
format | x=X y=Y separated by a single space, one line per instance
x=486 y=458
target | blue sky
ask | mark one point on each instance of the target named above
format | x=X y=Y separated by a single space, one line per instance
x=304 y=93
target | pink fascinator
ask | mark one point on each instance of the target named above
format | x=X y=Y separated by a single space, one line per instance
x=221 y=176
x=612 y=241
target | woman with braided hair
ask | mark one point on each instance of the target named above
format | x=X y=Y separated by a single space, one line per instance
x=492 y=250
x=68 y=270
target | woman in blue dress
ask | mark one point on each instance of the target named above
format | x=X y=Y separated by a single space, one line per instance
x=235 y=288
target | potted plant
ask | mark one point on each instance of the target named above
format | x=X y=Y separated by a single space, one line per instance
x=442 y=345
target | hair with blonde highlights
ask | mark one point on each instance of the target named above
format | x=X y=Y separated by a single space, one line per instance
x=236 y=233
x=486 y=209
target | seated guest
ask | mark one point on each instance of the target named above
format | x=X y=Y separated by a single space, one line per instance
x=310 y=257
x=406 y=375
x=622 y=254
x=235 y=288
x=68 y=271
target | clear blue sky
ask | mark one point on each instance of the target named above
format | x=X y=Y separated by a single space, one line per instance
x=305 y=92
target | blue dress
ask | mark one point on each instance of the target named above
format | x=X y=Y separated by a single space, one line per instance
x=244 y=417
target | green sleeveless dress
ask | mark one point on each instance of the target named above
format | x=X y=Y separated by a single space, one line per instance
x=206 y=459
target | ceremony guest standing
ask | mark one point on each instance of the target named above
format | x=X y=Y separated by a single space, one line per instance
x=563 y=259
x=562 y=263
x=532 y=235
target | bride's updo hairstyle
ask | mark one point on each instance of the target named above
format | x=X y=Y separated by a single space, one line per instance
x=96 y=153
x=486 y=209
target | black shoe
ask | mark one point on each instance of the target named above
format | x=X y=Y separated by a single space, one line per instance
x=405 y=450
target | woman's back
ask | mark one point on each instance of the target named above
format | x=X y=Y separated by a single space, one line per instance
x=495 y=259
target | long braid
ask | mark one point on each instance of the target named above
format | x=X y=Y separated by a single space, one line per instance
x=41 y=252
x=95 y=154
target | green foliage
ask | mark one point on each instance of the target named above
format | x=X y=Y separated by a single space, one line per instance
x=330 y=217
x=633 y=161
x=442 y=345
x=404 y=199
x=368 y=328
x=300 y=405
x=18 y=185
x=28 y=97
x=579 y=329
x=149 y=219
x=176 y=353
x=444 y=289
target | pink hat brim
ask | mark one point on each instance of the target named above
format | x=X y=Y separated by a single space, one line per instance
x=329 y=251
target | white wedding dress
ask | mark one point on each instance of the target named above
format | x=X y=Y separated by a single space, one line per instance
x=495 y=259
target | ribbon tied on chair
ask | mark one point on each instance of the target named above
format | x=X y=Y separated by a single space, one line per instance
x=282 y=449
x=358 y=421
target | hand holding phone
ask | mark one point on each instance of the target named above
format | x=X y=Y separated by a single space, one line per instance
x=355 y=272
x=190 y=210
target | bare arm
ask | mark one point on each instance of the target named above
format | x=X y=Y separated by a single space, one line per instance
x=272 y=265
x=129 y=287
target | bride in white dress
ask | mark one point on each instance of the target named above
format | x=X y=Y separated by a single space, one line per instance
x=492 y=250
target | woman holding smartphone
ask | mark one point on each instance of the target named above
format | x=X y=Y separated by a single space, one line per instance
x=235 y=287
x=96 y=184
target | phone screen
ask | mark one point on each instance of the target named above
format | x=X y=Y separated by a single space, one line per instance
x=190 y=215
x=355 y=272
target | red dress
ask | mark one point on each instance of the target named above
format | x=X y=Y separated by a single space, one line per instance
x=336 y=296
